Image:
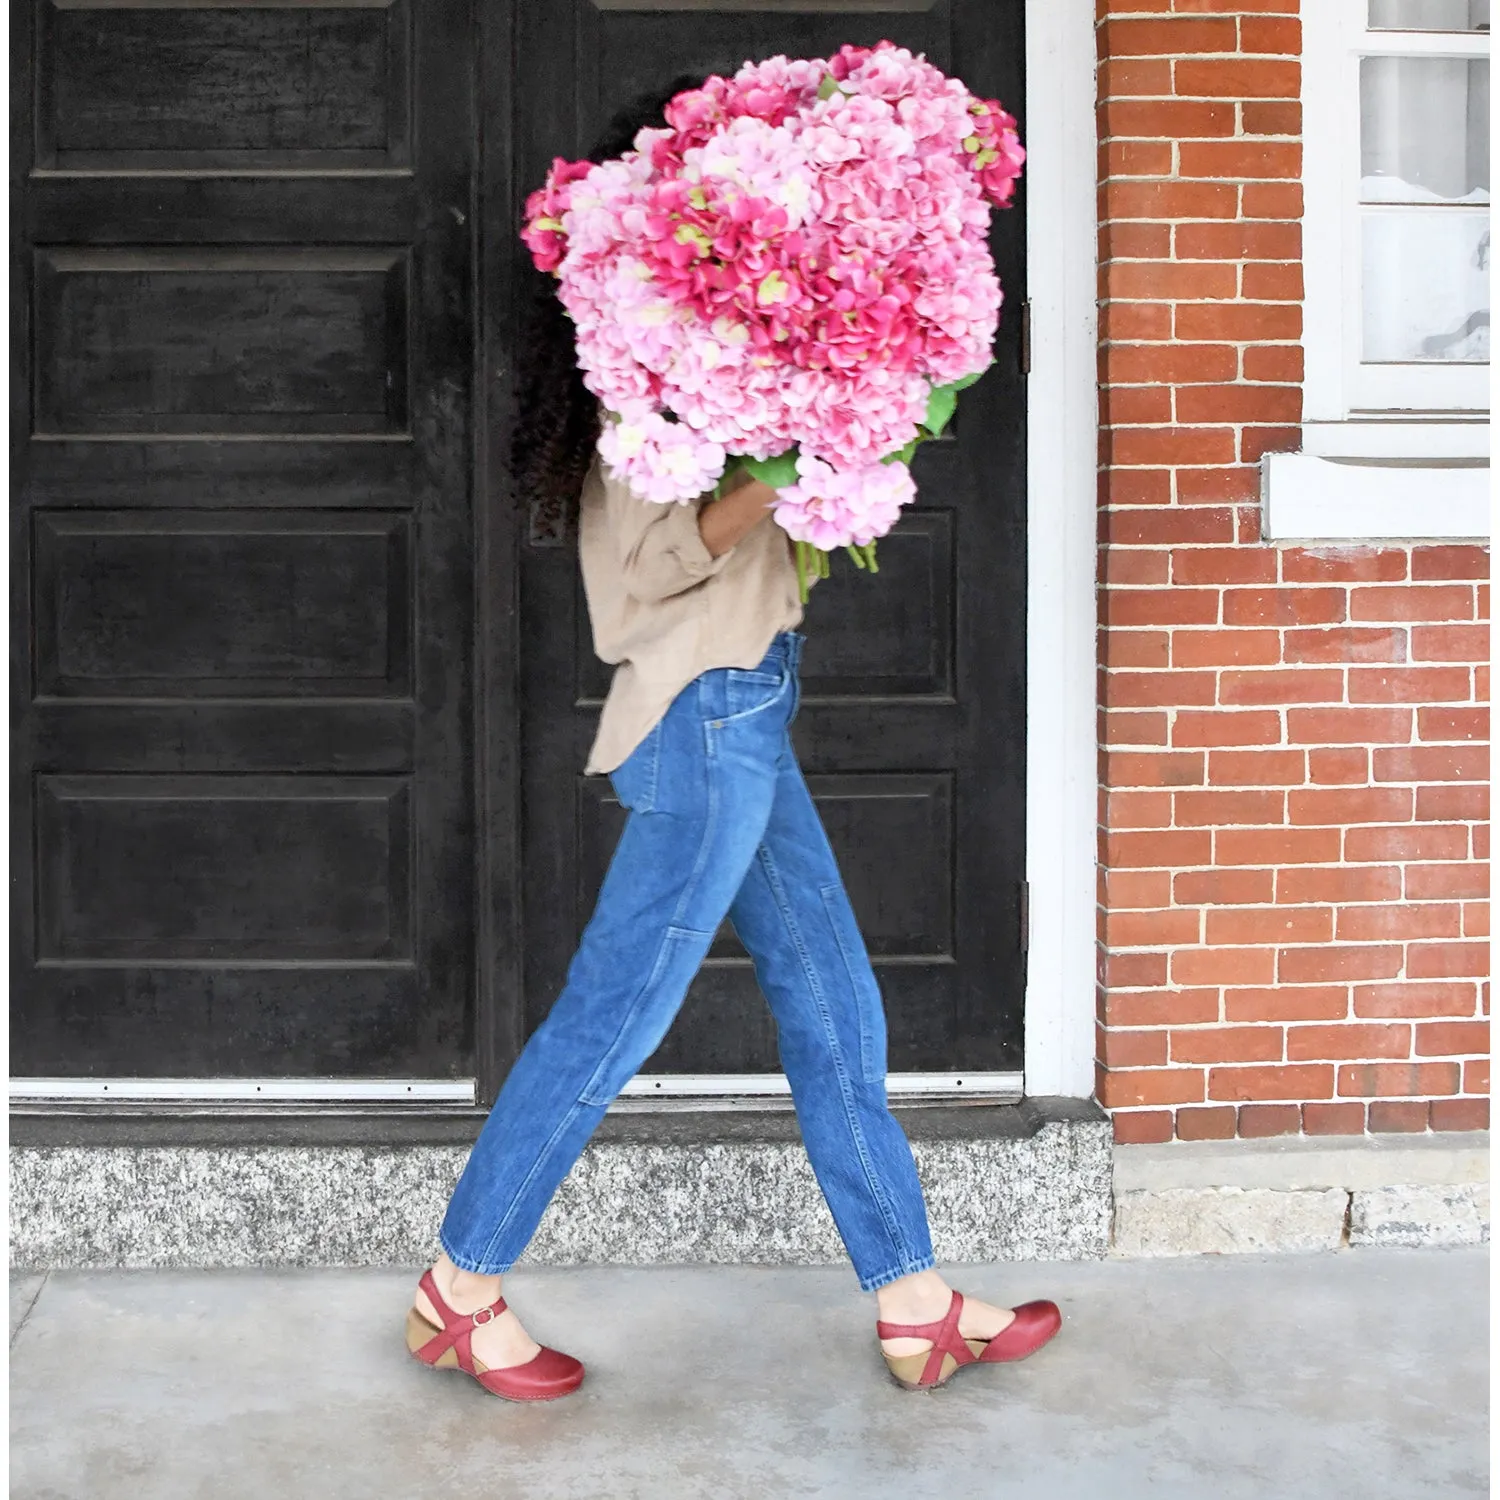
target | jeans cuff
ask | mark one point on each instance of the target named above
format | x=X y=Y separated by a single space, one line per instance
x=879 y=1279
x=468 y=1262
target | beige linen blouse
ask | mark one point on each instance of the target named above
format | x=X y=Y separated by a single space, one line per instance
x=663 y=608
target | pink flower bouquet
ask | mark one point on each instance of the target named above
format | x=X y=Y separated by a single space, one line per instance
x=792 y=277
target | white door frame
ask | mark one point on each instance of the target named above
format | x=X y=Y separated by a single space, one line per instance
x=1062 y=466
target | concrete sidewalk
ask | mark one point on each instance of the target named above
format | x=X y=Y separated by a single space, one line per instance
x=1359 y=1374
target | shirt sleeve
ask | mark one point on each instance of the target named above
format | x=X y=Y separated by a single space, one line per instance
x=659 y=548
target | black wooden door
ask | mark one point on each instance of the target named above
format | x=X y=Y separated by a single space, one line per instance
x=241 y=536
x=912 y=729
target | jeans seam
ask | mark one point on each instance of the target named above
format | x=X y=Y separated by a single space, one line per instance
x=773 y=876
x=628 y=1014
x=866 y=1042
x=710 y=828
x=656 y=738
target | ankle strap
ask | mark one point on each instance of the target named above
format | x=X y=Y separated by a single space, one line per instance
x=932 y=1331
x=454 y=1322
x=944 y=1336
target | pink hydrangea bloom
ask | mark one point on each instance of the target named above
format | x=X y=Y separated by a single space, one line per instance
x=794 y=260
x=832 y=507
x=658 y=459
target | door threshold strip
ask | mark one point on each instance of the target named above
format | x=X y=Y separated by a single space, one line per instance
x=240 y=1090
x=658 y=1091
x=665 y=1091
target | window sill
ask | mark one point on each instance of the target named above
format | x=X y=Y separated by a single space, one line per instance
x=1441 y=437
x=1313 y=497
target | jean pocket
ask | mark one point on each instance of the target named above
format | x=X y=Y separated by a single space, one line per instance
x=635 y=778
x=864 y=987
x=751 y=692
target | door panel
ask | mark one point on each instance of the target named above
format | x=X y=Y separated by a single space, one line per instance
x=242 y=540
x=912 y=725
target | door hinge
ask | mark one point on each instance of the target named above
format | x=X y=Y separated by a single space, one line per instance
x=1025 y=916
x=1026 y=337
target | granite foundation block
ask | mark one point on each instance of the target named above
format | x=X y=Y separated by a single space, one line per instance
x=1032 y=1189
x=1228 y=1220
x=1422 y=1214
x=1300 y=1194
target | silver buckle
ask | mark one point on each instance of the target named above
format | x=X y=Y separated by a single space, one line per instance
x=483 y=1316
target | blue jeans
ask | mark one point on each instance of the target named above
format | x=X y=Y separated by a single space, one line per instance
x=720 y=821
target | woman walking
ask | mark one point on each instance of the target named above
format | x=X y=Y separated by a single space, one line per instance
x=697 y=606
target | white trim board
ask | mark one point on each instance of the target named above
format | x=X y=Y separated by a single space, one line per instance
x=1061 y=438
x=1415 y=438
x=1308 y=498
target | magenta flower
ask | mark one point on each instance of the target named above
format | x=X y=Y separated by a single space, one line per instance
x=543 y=233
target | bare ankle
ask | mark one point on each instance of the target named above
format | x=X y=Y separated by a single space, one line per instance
x=919 y=1298
x=464 y=1287
x=472 y=1285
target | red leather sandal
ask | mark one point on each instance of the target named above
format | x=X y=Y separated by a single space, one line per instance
x=545 y=1377
x=1033 y=1324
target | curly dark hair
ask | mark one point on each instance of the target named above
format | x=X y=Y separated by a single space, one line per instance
x=557 y=416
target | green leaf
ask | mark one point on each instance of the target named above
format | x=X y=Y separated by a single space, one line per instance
x=904 y=455
x=777 y=472
x=964 y=382
x=829 y=86
x=940 y=405
x=942 y=402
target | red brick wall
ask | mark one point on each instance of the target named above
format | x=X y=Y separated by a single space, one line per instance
x=1292 y=767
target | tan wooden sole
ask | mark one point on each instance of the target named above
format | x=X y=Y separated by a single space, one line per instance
x=907 y=1369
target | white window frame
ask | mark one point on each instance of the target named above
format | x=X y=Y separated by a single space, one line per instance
x=1340 y=387
x=1387 y=450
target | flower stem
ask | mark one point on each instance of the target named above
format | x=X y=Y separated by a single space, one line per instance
x=870 y=556
x=857 y=553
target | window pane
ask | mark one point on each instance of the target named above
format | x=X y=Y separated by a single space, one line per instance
x=1426 y=285
x=1424 y=129
x=1429 y=15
